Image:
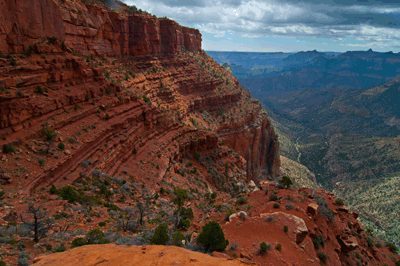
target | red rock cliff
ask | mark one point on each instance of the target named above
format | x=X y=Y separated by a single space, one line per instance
x=187 y=96
x=90 y=29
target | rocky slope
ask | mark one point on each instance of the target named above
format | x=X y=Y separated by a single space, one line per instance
x=300 y=227
x=91 y=28
x=103 y=108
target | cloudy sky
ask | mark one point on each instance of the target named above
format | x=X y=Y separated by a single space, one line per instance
x=286 y=25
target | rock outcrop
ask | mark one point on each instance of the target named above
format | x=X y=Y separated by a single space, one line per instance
x=90 y=29
x=114 y=255
x=163 y=99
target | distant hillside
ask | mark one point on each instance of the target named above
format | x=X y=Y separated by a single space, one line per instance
x=354 y=132
x=319 y=71
x=348 y=136
x=378 y=203
x=251 y=64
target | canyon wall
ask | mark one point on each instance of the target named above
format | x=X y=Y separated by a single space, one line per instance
x=90 y=29
x=114 y=113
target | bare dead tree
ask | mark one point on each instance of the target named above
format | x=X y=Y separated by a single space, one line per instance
x=39 y=222
x=142 y=210
x=127 y=222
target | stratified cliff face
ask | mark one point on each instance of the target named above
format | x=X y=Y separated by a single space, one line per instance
x=90 y=29
x=112 y=113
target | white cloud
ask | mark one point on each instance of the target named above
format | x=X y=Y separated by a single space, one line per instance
x=289 y=18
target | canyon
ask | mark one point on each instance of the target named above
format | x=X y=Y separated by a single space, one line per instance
x=105 y=108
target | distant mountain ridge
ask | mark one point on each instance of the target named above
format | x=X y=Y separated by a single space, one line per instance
x=356 y=70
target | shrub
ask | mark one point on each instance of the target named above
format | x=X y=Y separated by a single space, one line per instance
x=289 y=206
x=324 y=210
x=317 y=241
x=162 y=190
x=392 y=247
x=322 y=256
x=272 y=197
x=285 y=228
x=370 y=243
x=177 y=239
x=339 y=202
x=286 y=181
x=77 y=242
x=270 y=219
x=60 y=248
x=95 y=236
x=212 y=237
x=276 y=205
x=49 y=247
x=263 y=248
x=278 y=247
x=53 y=190
x=69 y=193
x=8 y=148
x=160 y=236
x=233 y=246
x=49 y=134
x=241 y=200
x=61 y=146
x=40 y=161
x=101 y=224
x=2 y=263
x=63 y=46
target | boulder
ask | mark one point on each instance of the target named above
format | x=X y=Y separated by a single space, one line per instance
x=347 y=243
x=220 y=255
x=252 y=186
x=245 y=255
x=297 y=226
x=312 y=209
x=343 y=209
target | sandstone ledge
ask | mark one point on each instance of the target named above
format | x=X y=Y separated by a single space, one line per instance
x=112 y=254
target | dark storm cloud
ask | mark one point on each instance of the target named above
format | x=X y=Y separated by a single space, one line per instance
x=393 y=3
x=376 y=21
x=183 y=3
x=197 y=3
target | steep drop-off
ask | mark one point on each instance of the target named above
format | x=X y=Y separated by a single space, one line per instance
x=116 y=113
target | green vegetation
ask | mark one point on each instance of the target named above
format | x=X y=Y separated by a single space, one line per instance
x=322 y=256
x=61 y=146
x=69 y=193
x=95 y=236
x=339 y=202
x=160 y=236
x=212 y=237
x=49 y=133
x=8 y=148
x=377 y=203
x=263 y=248
x=53 y=190
x=286 y=181
x=318 y=241
x=273 y=197
x=241 y=200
